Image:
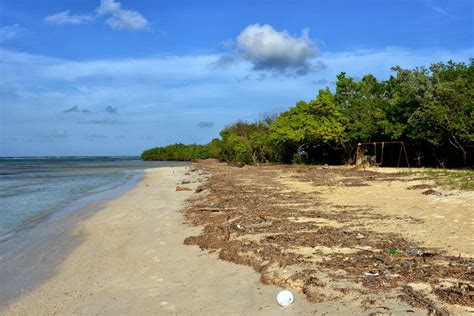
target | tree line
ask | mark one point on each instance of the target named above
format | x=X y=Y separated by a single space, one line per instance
x=430 y=109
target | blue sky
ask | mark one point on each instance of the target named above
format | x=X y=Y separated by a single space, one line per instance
x=111 y=77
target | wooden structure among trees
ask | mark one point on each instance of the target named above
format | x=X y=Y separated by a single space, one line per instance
x=373 y=154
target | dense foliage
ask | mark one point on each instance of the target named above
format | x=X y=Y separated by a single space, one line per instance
x=430 y=109
x=177 y=152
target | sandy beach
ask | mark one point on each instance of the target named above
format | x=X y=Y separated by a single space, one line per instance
x=231 y=238
x=381 y=242
x=132 y=261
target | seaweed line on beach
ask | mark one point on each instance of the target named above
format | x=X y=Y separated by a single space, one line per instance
x=293 y=239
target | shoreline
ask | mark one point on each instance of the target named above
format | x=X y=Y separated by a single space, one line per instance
x=131 y=259
x=30 y=253
x=89 y=200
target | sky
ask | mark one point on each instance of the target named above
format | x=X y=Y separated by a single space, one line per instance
x=116 y=77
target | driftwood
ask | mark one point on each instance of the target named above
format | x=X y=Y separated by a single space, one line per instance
x=215 y=209
x=179 y=188
x=263 y=224
x=424 y=301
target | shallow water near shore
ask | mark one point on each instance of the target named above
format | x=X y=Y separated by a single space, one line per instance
x=41 y=201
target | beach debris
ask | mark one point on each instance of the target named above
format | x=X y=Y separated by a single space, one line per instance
x=405 y=265
x=460 y=292
x=245 y=214
x=240 y=227
x=371 y=273
x=421 y=187
x=199 y=189
x=420 y=299
x=393 y=251
x=415 y=252
x=409 y=244
x=387 y=274
x=185 y=182
x=262 y=223
x=326 y=166
x=211 y=209
x=285 y=298
x=180 y=188
x=431 y=192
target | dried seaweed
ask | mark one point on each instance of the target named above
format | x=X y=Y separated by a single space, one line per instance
x=251 y=218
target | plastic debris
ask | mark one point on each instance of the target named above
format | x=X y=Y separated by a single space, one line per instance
x=416 y=252
x=371 y=273
x=285 y=298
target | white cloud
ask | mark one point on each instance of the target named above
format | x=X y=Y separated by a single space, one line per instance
x=10 y=32
x=127 y=20
x=66 y=17
x=268 y=49
x=121 y=19
x=117 y=18
x=108 y=6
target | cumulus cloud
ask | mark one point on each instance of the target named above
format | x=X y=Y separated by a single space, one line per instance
x=10 y=32
x=127 y=20
x=121 y=19
x=108 y=6
x=111 y=110
x=117 y=17
x=268 y=49
x=205 y=124
x=66 y=17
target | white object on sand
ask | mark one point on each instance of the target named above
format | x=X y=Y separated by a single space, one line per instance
x=285 y=298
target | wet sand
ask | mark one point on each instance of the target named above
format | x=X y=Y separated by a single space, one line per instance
x=132 y=261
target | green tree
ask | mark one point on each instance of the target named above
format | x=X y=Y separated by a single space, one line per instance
x=445 y=115
x=308 y=123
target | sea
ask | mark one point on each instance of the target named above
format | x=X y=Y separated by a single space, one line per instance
x=41 y=201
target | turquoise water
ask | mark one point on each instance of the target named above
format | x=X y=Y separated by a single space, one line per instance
x=32 y=188
x=42 y=200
